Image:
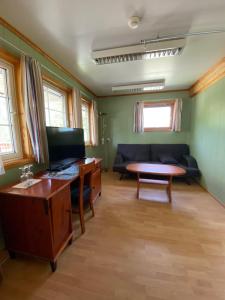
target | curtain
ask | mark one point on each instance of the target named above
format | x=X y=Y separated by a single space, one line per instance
x=2 y=170
x=34 y=107
x=176 y=126
x=94 y=123
x=77 y=115
x=139 y=117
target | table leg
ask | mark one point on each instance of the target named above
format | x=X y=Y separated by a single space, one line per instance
x=53 y=265
x=138 y=185
x=169 y=189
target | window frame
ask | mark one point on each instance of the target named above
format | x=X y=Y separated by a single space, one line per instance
x=164 y=103
x=87 y=104
x=59 y=89
x=26 y=155
x=13 y=115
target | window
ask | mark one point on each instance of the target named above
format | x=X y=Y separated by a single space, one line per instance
x=158 y=116
x=86 y=109
x=55 y=106
x=10 y=142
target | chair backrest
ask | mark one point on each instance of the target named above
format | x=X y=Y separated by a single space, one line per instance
x=86 y=170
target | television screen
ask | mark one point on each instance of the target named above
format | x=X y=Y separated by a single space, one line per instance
x=65 y=146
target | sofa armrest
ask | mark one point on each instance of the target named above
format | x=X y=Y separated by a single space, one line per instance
x=118 y=159
x=190 y=161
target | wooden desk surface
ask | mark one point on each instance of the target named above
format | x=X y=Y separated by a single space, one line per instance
x=46 y=188
x=157 y=169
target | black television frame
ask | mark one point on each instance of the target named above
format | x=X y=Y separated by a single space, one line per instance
x=61 y=151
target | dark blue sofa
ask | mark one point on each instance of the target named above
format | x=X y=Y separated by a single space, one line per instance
x=174 y=154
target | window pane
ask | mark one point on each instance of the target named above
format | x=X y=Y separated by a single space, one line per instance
x=4 y=111
x=9 y=131
x=85 y=121
x=2 y=82
x=157 y=117
x=56 y=102
x=47 y=121
x=55 y=107
x=6 y=141
x=56 y=118
x=46 y=97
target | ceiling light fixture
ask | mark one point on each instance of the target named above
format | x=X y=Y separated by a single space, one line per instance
x=156 y=49
x=164 y=46
x=142 y=87
x=134 y=22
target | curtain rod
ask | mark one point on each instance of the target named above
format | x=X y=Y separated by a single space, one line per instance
x=43 y=66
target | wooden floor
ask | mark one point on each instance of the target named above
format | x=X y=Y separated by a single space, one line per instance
x=134 y=249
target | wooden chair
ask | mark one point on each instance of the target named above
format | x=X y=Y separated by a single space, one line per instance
x=82 y=194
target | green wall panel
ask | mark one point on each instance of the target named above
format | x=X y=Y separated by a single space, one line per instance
x=119 y=122
x=208 y=137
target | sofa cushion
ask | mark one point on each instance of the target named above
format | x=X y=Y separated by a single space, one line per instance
x=175 y=150
x=167 y=159
x=134 y=152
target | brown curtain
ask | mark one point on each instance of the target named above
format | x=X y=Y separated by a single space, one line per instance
x=139 y=117
x=34 y=107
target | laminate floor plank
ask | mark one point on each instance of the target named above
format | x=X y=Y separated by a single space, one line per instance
x=133 y=249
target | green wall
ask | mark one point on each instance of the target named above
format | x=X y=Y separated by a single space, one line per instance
x=14 y=44
x=208 y=137
x=119 y=122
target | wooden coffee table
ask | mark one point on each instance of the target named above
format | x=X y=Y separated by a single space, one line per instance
x=167 y=171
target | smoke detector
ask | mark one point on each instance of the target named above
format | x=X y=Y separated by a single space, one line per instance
x=134 y=22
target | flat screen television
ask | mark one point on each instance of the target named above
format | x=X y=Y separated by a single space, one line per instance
x=65 y=146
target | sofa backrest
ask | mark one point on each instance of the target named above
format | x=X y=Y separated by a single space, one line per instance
x=134 y=152
x=175 y=150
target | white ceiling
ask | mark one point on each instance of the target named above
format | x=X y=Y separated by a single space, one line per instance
x=69 y=30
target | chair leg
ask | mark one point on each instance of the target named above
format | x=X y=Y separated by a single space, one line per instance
x=92 y=207
x=82 y=225
x=81 y=215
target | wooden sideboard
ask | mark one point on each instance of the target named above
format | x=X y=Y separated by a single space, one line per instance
x=37 y=221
